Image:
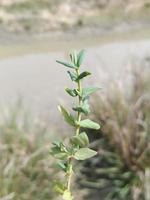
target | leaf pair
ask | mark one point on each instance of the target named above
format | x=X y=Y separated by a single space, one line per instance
x=76 y=60
x=80 y=140
x=59 y=151
x=85 y=108
x=87 y=123
x=76 y=78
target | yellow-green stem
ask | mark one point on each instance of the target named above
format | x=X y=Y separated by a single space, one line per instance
x=79 y=116
x=69 y=175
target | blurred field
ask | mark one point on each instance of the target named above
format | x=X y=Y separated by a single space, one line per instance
x=33 y=34
x=122 y=167
x=121 y=171
x=25 y=166
x=50 y=15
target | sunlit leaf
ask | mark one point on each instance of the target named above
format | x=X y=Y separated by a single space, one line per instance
x=72 y=75
x=67 y=116
x=84 y=153
x=71 y=92
x=82 y=75
x=67 y=195
x=87 y=123
x=80 y=57
x=73 y=57
x=80 y=140
x=66 y=64
x=87 y=91
x=59 y=187
x=61 y=165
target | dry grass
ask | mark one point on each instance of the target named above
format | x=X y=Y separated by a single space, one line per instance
x=25 y=171
x=124 y=142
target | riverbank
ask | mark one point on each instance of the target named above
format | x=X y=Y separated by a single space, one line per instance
x=12 y=44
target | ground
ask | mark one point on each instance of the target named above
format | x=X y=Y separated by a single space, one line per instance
x=52 y=15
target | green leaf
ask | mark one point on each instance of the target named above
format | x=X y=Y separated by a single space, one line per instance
x=71 y=92
x=57 y=148
x=85 y=108
x=59 y=187
x=61 y=165
x=80 y=140
x=61 y=156
x=82 y=109
x=72 y=75
x=67 y=195
x=66 y=64
x=84 y=153
x=79 y=109
x=87 y=91
x=87 y=123
x=80 y=57
x=82 y=75
x=73 y=58
x=67 y=116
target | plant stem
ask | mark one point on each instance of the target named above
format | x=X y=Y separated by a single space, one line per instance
x=70 y=173
x=79 y=116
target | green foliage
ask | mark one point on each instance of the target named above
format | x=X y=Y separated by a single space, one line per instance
x=76 y=148
x=67 y=116
x=84 y=153
x=66 y=64
x=80 y=140
x=80 y=58
x=67 y=195
x=83 y=75
x=87 y=123
x=88 y=91
x=71 y=92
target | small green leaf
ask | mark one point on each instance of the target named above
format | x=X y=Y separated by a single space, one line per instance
x=82 y=75
x=87 y=123
x=80 y=57
x=61 y=166
x=61 y=156
x=71 y=92
x=84 y=153
x=80 y=140
x=73 y=57
x=59 y=187
x=87 y=91
x=67 y=116
x=67 y=195
x=66 y=64
x=84 y=109
x=72 y=75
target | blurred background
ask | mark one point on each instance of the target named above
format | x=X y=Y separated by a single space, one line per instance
x=116 y=36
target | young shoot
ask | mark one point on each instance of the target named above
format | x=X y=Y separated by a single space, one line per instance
x=77 y=146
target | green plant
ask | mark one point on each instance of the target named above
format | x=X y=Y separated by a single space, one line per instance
x=76 y=147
